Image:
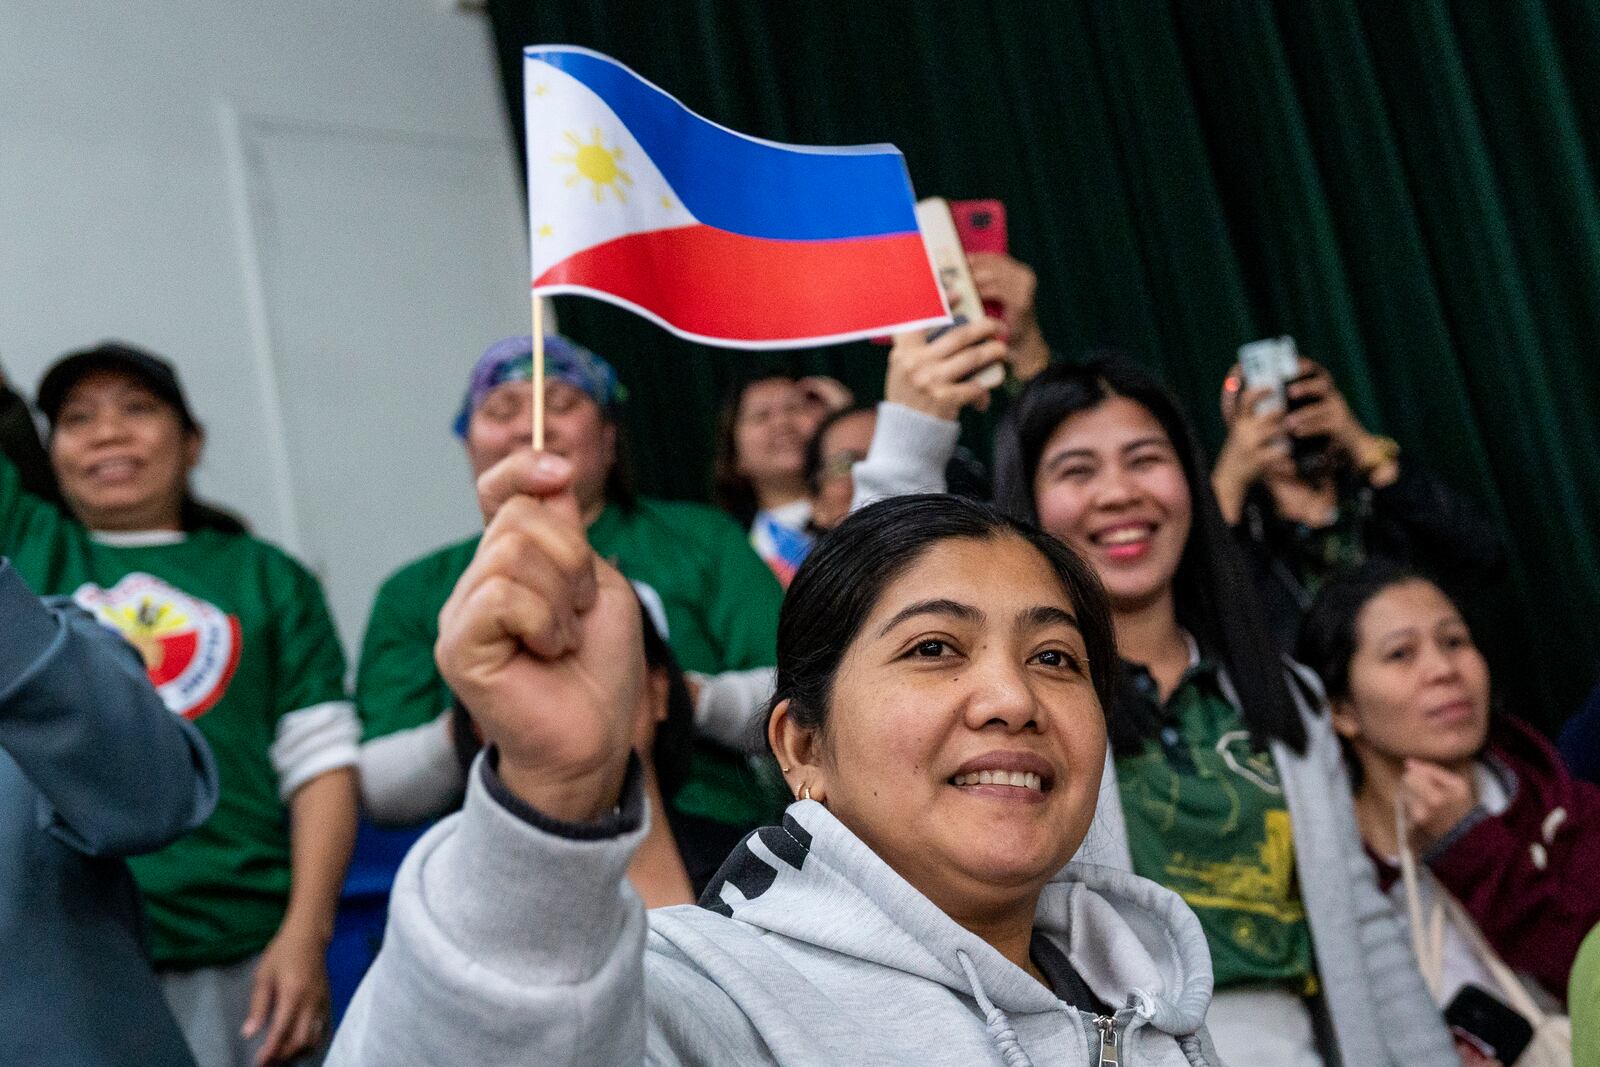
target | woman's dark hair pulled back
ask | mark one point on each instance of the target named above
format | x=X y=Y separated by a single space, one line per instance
x=1212 y=591
x=843 y=579
x=813 y=467
x=1328 y=637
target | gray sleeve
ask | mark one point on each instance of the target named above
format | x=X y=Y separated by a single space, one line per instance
x=731 y=704
x=508 y=942
x=117 y=773
x=410 y=776
x=908 y=454
x=1408 y=1021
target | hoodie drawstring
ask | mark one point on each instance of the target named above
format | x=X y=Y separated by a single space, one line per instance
x=997 y=1024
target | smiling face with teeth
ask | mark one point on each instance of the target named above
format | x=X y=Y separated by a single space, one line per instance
x=1111 y=485
x=770 y=429
x=122 y=454
x=965 y=739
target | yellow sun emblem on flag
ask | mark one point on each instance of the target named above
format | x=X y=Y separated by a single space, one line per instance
x=597 y=163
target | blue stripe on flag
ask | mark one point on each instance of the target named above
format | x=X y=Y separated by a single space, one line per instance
x=743 y=185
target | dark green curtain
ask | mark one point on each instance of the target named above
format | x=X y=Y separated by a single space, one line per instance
x=1409 y=189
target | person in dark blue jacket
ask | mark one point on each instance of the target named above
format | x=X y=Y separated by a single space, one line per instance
x=93 y=767
x=1580 y=740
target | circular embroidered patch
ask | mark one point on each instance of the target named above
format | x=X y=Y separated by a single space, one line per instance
x=190 y=647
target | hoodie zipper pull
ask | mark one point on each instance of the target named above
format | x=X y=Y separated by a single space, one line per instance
x=1108 y=1040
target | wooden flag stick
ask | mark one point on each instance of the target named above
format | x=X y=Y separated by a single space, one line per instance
x=538 y=374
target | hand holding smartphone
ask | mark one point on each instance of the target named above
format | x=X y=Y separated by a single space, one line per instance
x=981 y=227
x=949 y=258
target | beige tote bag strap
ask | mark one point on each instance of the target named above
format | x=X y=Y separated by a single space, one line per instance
x=1432 y=964
x=1516 y=993
x=1427 y=934
x=1552 y=1034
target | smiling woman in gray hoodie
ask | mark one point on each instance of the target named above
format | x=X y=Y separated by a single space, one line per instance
x=1227 y=785
x=941 y=675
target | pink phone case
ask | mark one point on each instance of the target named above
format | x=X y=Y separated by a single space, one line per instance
x=981 y=225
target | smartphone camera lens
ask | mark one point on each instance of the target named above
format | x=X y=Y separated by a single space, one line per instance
x=981 y=220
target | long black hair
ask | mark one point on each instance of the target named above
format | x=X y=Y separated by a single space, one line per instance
x=838 y=585
x=1212 y=591
x=621 y=488
x=195 y=514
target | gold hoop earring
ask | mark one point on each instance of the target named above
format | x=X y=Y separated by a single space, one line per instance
x=805 y=791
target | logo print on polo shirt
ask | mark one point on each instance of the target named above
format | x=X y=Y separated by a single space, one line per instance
x=190 y=647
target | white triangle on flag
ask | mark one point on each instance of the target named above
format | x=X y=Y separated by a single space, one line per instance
x=589 y=181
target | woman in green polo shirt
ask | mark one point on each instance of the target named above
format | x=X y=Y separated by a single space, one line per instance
x=707 y=591
x=237 y=638
x=1225 y=785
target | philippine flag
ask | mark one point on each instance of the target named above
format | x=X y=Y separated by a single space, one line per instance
x=718 y=237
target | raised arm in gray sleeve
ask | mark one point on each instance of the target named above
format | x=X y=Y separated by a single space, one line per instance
x=511 y=939
x=908 y=454
x=117 y=773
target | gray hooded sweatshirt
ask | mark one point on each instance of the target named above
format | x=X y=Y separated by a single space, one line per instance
x=512 y=944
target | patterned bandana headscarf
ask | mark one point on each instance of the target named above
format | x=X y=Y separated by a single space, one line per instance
x=511 y=360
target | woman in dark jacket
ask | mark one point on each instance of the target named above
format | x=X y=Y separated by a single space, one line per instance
x=1311 y=493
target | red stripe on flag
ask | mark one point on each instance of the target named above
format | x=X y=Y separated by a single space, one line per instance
x=725 y=285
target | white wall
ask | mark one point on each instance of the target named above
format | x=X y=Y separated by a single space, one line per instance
x=311 y=206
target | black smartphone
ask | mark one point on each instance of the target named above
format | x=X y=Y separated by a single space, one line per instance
x=1495 y=1029
x=1313 y=456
